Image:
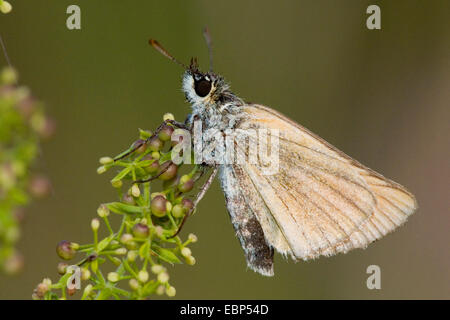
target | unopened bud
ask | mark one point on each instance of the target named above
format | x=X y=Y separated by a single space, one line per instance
x=132 y=255
x=135 y=191
x=143 y=276
x=88 y=289
x=85 y=274
x=168 y=116
x=65 y=250
x=101 y=169
x=134 y=284
x=5 y=7
x=113 y=277
x=116 y=183
x=157 y=269
x=95 y=224
x=103 y=211
x=120 y=251
x=62 y=268
x=126 y=238
x=140 y=231
x=171 y=292
x=192 y=237
x=186 y=252
x=190 y=260
x=163 y=277
x=106 y=160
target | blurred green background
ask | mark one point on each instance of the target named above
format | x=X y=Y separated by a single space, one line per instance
x=381 y=96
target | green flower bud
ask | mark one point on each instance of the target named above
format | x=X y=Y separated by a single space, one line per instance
x=160 y=290
x=95 y=224
x=166 y=133
x=140 y=231
x=178 y=211
x=106 y=160
x=170 y=172
x=158 y=206
x=163 y=277
x=116 y=183
x=190 y=260
x=153 y=167
x=85 y=274
x=186 y=252
x=155 y=144
x=134 y=284
x=132 y=255
x=101 y=169
x=145 y=134
x=187 y=204
x=113 y=277
x=62 y=268
x=192 y=237
x=157 y=269
x=120 y=251
x=117 y=262
x=156 y=155
x=127 y=199
x=186 y=186
x=65 y=250
x=42 y=289
x=171 y=292
x=5 y=7
x=143 y=276
x=140 y=145
x=88 y=290
x=159 y=231
x=168 y=116
x=103 y=211
x=135 y=191
x=126 y=238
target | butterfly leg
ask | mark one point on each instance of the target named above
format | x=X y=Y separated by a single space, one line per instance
x=176 y=124
x=199 y=197
x=164 y=169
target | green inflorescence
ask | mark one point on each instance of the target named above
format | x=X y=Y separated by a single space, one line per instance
x=132 y=260
x=22 y=125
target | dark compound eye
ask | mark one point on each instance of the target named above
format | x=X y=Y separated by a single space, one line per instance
x=202 y=87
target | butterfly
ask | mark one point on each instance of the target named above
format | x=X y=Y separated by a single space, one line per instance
x=320 y=202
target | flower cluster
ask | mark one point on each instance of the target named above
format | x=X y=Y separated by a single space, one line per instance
x=132 y=260
x=22 y=125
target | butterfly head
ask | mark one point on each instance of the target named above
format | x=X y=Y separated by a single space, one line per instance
x=202 y=88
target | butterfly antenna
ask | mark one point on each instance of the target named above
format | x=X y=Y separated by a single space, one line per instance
x=208 y=40
x=155 y=44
